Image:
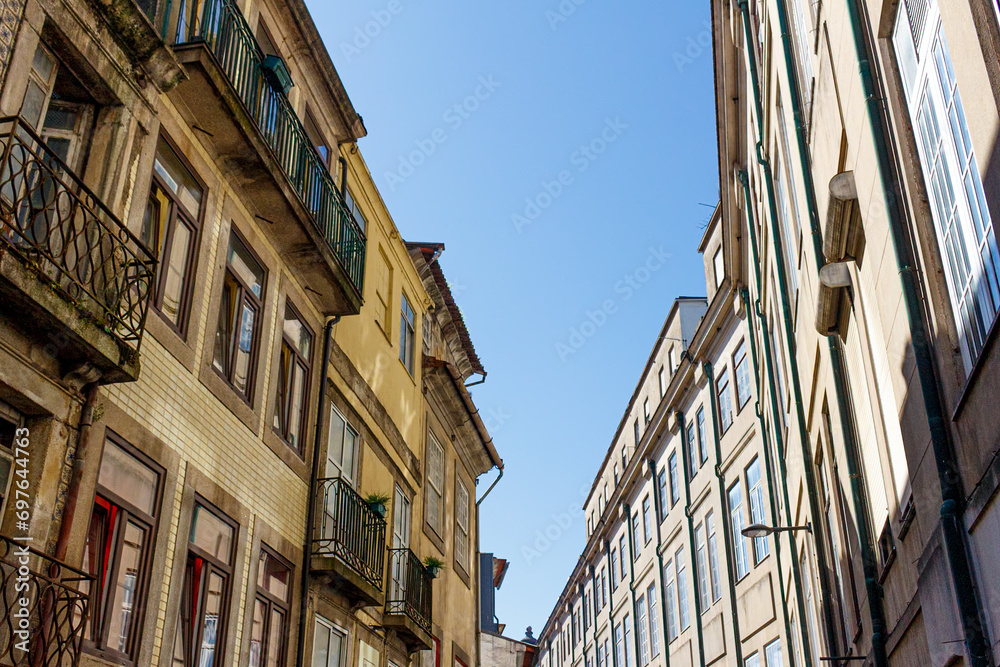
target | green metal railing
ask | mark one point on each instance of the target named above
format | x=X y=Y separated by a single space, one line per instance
x=220 y=26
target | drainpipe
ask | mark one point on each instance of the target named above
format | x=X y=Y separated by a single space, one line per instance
x=611 y=605
x=631 y=582
x=952 y=496
x=685 y=455
x=324 y=375
x=343 y=175
x=873 y=587
x=775 y=413
x=769 y=467
x=724 y=519
x=660 y=515
x=79 y=463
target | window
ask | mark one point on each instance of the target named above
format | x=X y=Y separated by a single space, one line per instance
x=670 y=593
x=328 y=644
x=675 y=492
x=619 y=646
x=737 y=523
x=623 y=547
x=742 y=367
x=645 y=410
x=761 y=546
x=383 y=290
x=201 y=625
x=628 y=639
x=434 y=503
x=341 y=448
x=317 y=139
x=643 y=657
x=684 y=613
x=407 y=327
x=604 y=586
x=661 y=489
x=804 y=53
x=635 y=432
x=784 y=184
x=692 y=457
x=636 y=542
x=614 y=568
x=290 y=405
x=624 y=459
x=119 y=544
x=713 y=556
x=239 y=317
x=701 y=561
x=10 y=421
x=654 y=621
x=616 y=474
x=462 y=527
x=962 y=221
x=352 y=206
x=647 y=520
x=663 y=382
x=170 y=231
x=702 y=440
x=725 y=401
x=270 y=630
x=586 y=610
x=672 y=359
x=752 y=660
x=772 y=654
x=719 y=267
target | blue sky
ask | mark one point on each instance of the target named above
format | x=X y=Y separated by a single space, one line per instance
x=583 y=146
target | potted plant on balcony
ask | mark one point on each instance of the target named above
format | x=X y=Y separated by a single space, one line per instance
x=433 y=566
x=377 y=502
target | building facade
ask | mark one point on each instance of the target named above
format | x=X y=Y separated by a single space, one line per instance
x=218 y=358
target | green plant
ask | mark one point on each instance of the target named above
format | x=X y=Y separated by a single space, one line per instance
x=377 y=499
x=434 y=564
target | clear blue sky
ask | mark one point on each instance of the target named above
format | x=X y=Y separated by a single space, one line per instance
x=630 y=70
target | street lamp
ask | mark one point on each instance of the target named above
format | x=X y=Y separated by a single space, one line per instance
x=762 y=530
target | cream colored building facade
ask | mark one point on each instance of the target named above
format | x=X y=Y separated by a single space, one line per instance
x=215 y=347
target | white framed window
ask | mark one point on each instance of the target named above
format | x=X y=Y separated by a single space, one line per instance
x=719 y=267
x=755 y=489
x=683 y=611
x=670 y=592
x=654 y=621
x=341 y=449
x=701 y=560
x=328 y=644
x=737 y=524
x=462 y=527
x=663 y=382
x=434 y=472
x=962 y=221
x=713 y=556
x=772 y=654
x=643 y=632
x=407 y=334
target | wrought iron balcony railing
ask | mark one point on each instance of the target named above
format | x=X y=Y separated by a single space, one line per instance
x=56 y=225
x=409 y=588
x=220 y=25
x=349 y=530
x=48 y=630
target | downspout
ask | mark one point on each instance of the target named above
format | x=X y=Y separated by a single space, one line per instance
x=631 y=585
x=80 y=456
x=611 y=605
x=847 y=425
x=324 y=375
x=775 y=415
x=660 y=515
x=724 y=519
x=685 y=455
x=593 y=615
x=769 y=471
x=952 y=496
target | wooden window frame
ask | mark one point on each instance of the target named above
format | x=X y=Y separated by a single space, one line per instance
x=270 y=602
x=296 y=358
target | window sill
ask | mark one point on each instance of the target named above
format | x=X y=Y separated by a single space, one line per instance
x=226 y=395
x=289 y=456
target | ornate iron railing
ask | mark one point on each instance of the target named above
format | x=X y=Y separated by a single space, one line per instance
x=43 y=610
x=56 y=225
x=348 y=529
x=409 y=588
x=220 y=25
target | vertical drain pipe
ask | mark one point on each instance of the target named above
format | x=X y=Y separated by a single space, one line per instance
x=724 y=519
x=632 y=546
x=324 y=374
x=872 y=585
x=660 y=515
x=686 y=454
x=953 y=498
x=775 y=409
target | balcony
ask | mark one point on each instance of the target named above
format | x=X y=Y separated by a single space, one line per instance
x=234 y=103
x=349 y=543
x=408 y=607
x=72 y=276
x=56 y=611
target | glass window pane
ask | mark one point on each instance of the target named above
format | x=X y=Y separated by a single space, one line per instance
x=213 y=617
x=125 y=476
x=257 y=633
x=211 y=534
x=276 y=638
x=43 y=63
x=273 y=576
x=296 y=405
x=297 y=333
x=245 y=266
x=244 y=347
x=129 y=577
x=177 y=265
x=227 y=316
x=177 y=178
